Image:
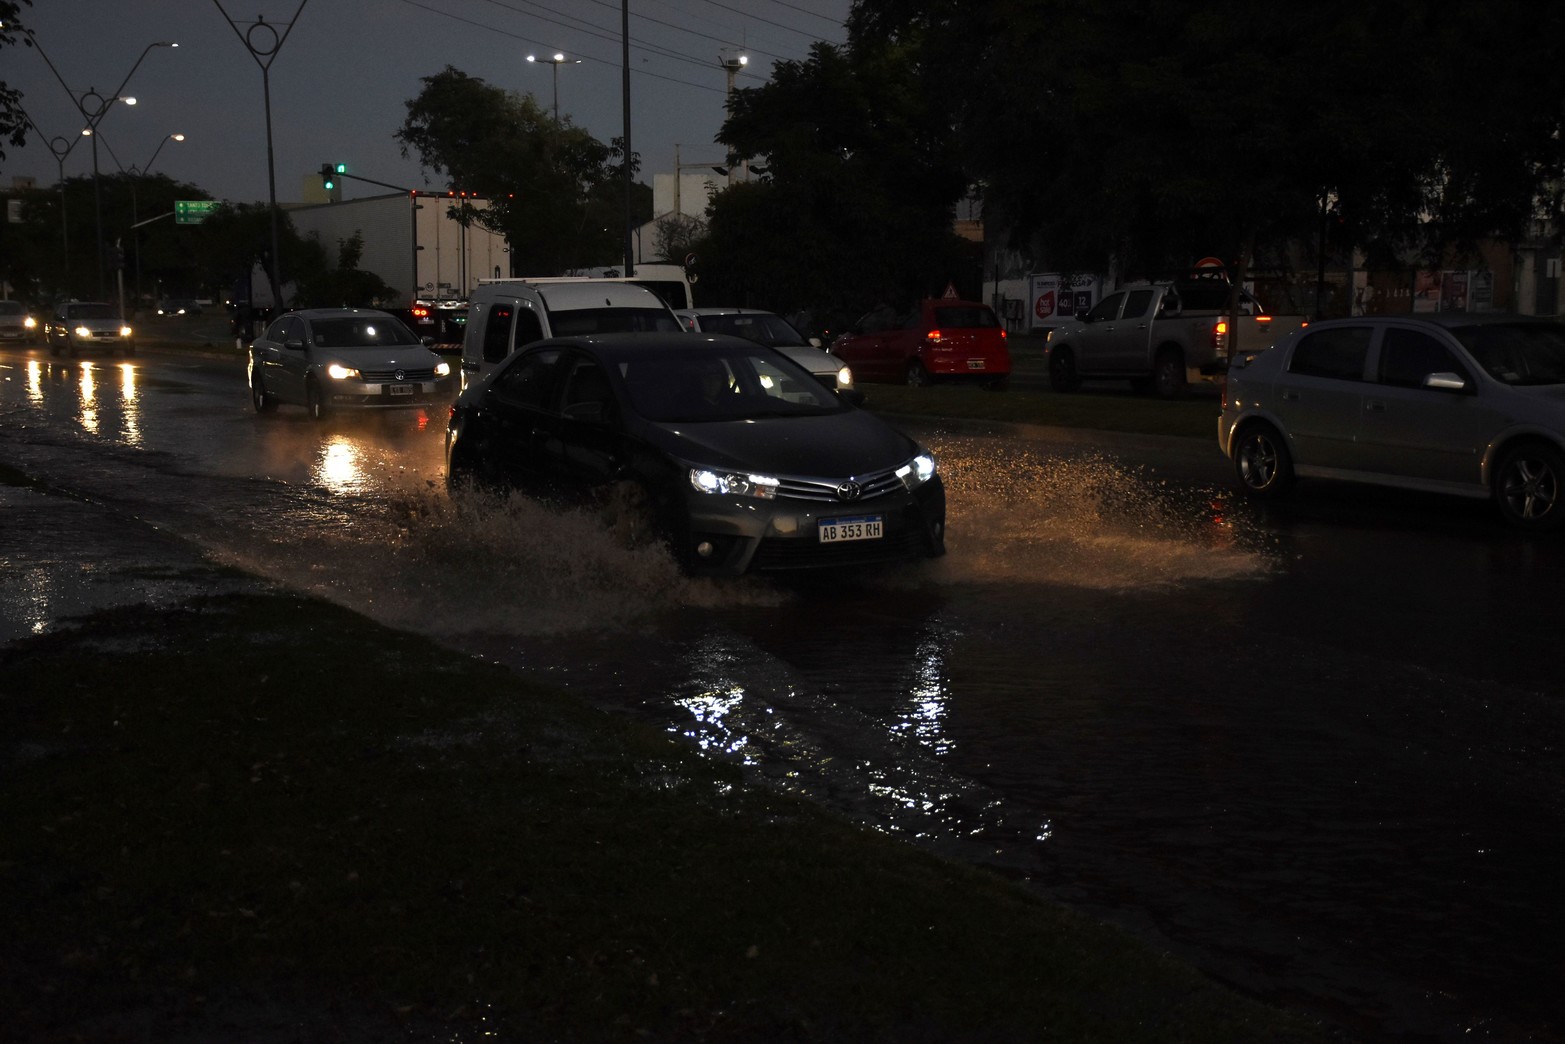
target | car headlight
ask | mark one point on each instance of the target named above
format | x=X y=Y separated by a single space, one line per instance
x=125 y=331
x=339 y=372
x=705 y=480
x=442 y=368
x=82 y=331
x=30 y=323
x=917 y=471
x=844 y=378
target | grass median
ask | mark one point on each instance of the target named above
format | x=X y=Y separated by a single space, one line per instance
x=1194 y=416
x=262 y=817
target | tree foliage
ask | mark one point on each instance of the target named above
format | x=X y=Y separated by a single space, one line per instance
x=13 y=119
x=555 y=192
x=1153 y=133
x=857 y=201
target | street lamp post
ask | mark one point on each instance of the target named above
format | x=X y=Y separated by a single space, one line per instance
x=61 y=147
x=732 y=64
x=93 y=108
x=263 y=43
x=557 y=61
x=135 y=218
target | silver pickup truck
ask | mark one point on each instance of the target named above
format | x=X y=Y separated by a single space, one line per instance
x=1161 y=336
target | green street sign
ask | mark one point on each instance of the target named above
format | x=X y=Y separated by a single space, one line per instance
x=193 y=211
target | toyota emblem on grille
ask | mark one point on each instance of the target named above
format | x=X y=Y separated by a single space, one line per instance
x=849 y=491
x=399 y=375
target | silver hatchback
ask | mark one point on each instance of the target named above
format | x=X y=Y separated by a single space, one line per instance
x=1471 y=405
x=327 y=359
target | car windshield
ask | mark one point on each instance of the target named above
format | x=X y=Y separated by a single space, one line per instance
x=722 y=384
x=579 y=322
x=11 y=308
x=89 y=311
x=965 y=317
x=769 y=330
x=360 y=332
x=1517 y=353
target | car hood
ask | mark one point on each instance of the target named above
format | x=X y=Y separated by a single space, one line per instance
x=838 y=445
x=816 y=360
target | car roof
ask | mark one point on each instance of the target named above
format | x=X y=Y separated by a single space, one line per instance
x=571 y=292
x=339 y=313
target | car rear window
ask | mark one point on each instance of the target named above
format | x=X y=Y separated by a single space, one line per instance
x=965 y=317
x=1338 y=353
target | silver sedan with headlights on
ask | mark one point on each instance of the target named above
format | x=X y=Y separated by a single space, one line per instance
x=774 y=331
x=728 y=451
x=1471 y=405
x=327 y=359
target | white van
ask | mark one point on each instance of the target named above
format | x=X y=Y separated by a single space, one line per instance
x=506 y=314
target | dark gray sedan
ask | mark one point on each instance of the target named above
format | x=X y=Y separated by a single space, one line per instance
x=1471 y=405
x=734 y=454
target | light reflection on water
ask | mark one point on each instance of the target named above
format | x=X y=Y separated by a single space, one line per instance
x=89 y=399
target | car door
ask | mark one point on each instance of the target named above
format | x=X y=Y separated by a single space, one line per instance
x=272 y=359
x=1094 y=340
x=863 y=347
x=1128 y=338
x=515 y=421
x=294 y=358
x=1408 y=429
x=585 y=444
x=1320 y=396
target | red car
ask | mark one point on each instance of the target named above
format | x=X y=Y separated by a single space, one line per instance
x=941 y=339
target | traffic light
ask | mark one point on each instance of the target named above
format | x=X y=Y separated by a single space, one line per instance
x=328 y=181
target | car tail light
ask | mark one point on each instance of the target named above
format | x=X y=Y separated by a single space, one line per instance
x=933 y=335
x=421 y=314
x=1219 y=333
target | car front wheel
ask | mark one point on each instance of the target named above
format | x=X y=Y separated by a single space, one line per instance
x=1262 y=462
x=917 y=376
x=1527 y=487
x=263 y=402
x=315 y=400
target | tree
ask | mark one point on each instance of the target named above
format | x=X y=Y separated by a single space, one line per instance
x=546 y=181
x=13 y=120
x=857 y=203
x=1155 y=133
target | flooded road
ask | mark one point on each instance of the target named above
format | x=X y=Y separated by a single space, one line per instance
x=1316 y=751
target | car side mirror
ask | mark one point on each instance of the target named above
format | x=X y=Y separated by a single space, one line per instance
x=1445 y=382
x=589 y=412
x=852 y=396
x=296 y=344
x=427 y=341
x=815 y=342
x=1083 y=317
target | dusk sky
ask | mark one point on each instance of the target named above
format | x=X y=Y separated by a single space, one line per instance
x=342 y=75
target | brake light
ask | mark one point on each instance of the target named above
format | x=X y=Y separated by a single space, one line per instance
x=421 y=313
x=1263 y=319
x=933 y=335
x=1219 y=333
